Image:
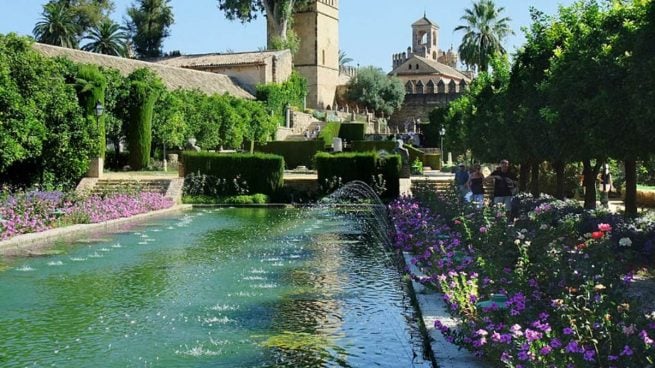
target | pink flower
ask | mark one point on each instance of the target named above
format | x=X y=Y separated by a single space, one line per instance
x=604 y=227
x=483 y=230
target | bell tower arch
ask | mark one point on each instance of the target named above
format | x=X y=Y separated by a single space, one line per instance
x=425 y=38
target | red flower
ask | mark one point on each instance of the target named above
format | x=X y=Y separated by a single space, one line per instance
x=597 y=234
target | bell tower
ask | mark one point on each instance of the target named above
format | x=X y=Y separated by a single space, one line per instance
x=425 y=38
x=317 y=59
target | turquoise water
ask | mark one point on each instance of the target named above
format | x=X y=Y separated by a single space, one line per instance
x=212 y=288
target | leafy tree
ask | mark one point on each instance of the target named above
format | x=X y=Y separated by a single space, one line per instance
x=373 y=89
x=107 y=38
x=43 y=137
x=168 y=126
x=484 y=30
x=58 y=26
x=149 y=24
x=278 y=15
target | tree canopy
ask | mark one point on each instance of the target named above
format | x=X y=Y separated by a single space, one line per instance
x=149 y=24
x=373 y=89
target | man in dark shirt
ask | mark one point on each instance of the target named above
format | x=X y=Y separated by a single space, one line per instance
x=504 y=185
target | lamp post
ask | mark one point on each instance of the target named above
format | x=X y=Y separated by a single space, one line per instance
x=442 y=133
x=97 y=163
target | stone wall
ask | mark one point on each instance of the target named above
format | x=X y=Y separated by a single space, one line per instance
x=419 y=107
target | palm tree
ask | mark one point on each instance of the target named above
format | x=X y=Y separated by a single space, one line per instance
x=57 y=26
x=344 y=59
x=484 y=31
x=149 y=24
x=107 y=38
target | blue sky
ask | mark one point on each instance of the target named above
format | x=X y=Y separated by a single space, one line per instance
x=370 y=30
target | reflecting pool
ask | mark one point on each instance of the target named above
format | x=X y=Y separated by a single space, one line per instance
x=213 y=288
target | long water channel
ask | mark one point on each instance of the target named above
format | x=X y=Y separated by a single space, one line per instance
x=213 y=288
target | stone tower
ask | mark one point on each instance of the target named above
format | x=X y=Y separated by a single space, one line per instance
x=425 y=38
x=317 y=27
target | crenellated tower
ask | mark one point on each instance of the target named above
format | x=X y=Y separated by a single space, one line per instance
x=317 y=27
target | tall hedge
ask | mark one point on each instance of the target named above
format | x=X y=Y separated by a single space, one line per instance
x=352 y=131
x=90 y=84
x=295 y=153
x=368 y=146
x=360 y=166
x=263 y=172
x=145 y=87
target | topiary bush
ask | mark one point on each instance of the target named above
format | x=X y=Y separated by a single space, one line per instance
x=144 y=87
x=352 y=131
x=295 y=153
x=262 y=173
x=346 y=167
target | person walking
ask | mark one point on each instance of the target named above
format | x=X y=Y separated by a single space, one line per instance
x=504 y=185
x=476 y=185
x=461 y=178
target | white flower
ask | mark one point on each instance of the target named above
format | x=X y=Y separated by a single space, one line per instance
x=625 y=242
x=520 y=236
x=543 y=227
x=517 y=241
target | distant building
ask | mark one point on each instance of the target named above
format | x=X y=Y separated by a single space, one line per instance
x=428 y=73
x=248 y=68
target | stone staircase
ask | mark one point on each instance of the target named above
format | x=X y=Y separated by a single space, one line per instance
x=169 y=187
x=300 y=136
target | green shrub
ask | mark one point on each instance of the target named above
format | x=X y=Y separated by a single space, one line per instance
x=295 y=153
x=238 y=199
x=276 y=96
x=346 y=167
x=263 y=173
x=328 y=133
x=375 y=146
x=352 y=131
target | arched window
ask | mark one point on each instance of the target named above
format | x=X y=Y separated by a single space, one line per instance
x=419 y=88
x=416 y=66
x=452 y=86
x=430 y=87
x=441 y=86
x=422 y=38
x=434 y=38
x=323 y=55
x=462 y=85
x=409 y=89
x=434 y=55
x=410 y=66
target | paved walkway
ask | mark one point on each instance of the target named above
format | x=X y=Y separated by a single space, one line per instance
x=433 y=308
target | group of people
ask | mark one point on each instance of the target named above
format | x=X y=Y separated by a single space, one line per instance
x=470 y=184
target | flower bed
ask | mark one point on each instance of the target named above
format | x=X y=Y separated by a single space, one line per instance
x=22 y=213
x=546 y=290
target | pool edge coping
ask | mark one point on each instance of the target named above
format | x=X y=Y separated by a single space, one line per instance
x=431 y=308
x=24 y=242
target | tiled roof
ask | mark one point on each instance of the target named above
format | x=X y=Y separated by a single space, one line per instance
x=424 y=21
x=173 y=77
x=434 y=67
x=220 y=59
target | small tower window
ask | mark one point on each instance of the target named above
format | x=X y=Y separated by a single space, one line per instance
x=323 y=55
x=410 y=66
x=416 y=66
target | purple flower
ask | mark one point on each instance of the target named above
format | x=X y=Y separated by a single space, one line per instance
x=545 y=350
x=567 y=331
x=627 y=351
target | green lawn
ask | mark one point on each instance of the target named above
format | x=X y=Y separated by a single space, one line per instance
x=646 y=187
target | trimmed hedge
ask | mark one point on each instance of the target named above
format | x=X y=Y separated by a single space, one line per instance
x=352 y=131
x=295 y=153
x=375 y=146
x=360 y=166
x=263 y=172
x=328 y=133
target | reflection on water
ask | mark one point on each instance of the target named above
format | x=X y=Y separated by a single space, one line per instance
x=213 y=288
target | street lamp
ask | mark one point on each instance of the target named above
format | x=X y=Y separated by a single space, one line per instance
x=442 y=133
x=99 y=109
